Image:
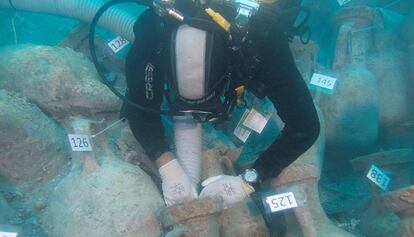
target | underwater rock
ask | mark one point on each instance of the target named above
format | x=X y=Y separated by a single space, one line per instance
x=59 y=80
x=33 y=145
x=393 y=102
x=301 y=177
x=103 y=195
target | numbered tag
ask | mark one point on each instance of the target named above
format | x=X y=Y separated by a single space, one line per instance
x=117 y=44
x=378 y=177
x=256 y=121
x=80 y=142
x=325 y=83
x=8 y=234
x=343 y=2
x=242 y=132
x=281 y=202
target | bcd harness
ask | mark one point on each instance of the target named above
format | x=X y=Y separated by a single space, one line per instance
x=227 y=92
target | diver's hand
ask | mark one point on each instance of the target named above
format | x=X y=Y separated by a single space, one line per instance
x=231 y=188
x=176 y=186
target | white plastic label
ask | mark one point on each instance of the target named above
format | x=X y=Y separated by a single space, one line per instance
x=323 y=81
x=281 y=202
x=8 y=234
x=117 y=44
x=79 y=142
x=241 y=132
x=343 y=2
x=378 y=177
x=256 y=121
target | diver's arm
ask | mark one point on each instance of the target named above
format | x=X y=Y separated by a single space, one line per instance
x=289 y=94
x=145 y=87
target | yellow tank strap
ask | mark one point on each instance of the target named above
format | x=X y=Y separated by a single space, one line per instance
x=219 y=19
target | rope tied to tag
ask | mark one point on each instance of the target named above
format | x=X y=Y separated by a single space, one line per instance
x=110 y=126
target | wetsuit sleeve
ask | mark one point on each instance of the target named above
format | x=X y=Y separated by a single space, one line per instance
x=145 y=81
x=288 y=92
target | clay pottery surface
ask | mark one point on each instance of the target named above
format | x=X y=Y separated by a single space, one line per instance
x=351 y=112
x=103 y=196
x=393 y=102
x=33 y=145
x=59 y=80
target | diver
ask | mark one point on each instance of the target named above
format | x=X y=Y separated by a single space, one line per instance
x=246 y=46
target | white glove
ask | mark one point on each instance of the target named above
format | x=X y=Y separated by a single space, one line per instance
x=231 y=188
x=176 y=186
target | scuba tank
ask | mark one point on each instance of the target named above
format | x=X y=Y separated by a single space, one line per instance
x=221 y=98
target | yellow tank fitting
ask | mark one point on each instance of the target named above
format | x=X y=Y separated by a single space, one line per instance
x=240 y=95
x=219 y=19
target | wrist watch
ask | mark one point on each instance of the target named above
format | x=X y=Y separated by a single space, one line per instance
x=250 y=176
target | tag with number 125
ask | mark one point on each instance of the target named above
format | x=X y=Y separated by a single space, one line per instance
x=279 y=202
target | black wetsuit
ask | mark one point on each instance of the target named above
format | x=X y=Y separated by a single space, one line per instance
x=148 y=66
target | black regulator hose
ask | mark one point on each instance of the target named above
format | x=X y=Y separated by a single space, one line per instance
x=99 y=68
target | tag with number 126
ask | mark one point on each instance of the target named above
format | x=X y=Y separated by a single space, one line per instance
x=79 y=142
